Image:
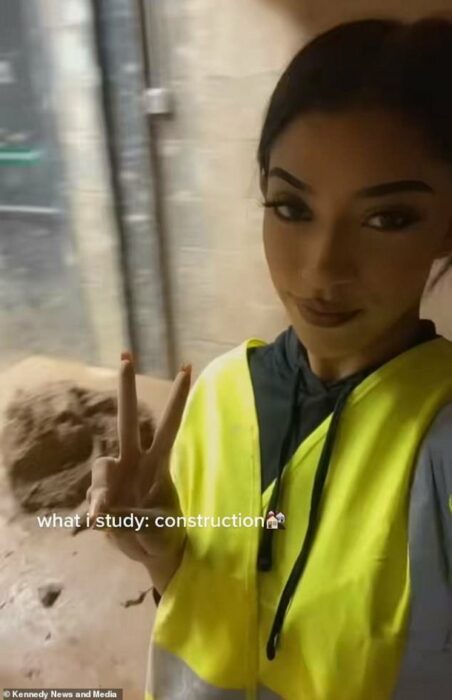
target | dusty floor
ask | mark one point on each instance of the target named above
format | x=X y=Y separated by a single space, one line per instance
x=87 y=638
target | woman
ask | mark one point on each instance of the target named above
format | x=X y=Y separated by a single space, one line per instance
x=342 y=424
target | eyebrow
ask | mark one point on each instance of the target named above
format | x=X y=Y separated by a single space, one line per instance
x=380 y=190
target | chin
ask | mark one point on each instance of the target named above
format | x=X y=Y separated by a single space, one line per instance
x=329 y=342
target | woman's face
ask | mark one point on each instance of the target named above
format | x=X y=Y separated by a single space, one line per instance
x=361 y=210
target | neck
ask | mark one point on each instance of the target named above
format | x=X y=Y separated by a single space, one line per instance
x=394 y=341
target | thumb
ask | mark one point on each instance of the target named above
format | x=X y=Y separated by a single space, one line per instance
x=104 y=484
x=98 y=504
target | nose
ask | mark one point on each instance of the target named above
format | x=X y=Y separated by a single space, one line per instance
x=328 y=260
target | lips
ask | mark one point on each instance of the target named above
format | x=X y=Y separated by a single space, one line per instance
x=321 y=314
x=322 y=307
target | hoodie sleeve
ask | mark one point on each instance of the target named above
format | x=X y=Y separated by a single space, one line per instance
x=426 y=669
x=440 y=451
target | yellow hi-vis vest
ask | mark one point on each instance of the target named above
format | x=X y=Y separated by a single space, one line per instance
x=345 y=630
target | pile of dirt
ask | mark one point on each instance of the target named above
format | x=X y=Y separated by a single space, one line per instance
x=51 y=436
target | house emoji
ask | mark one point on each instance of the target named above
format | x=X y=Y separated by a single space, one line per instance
x=281 y=518
x=271 y=522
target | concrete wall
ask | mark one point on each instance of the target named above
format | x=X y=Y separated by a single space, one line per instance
x=224 y=63
x=77 y=104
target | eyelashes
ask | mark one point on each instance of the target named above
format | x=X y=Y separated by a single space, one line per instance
x=293 y=211
x=396 y=220
x=389 y=219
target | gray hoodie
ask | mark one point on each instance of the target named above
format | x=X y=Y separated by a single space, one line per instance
x=273 y=369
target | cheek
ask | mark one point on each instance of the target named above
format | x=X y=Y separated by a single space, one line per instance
x=281 y=252
x=399 y=270
x=388 y=271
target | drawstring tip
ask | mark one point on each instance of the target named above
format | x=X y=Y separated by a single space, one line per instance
x=264 y=562
x=264 y=555
x=271 y=647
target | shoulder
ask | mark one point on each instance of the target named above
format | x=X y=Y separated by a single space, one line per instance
x=431 y=497
x=227 y=362
x=219 y=374
x=436 y=453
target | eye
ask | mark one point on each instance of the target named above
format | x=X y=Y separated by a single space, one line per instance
x=289 y=211
x=392 y=220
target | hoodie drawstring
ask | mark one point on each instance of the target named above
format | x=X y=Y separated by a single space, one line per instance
x=265 y=546
x=265 y=550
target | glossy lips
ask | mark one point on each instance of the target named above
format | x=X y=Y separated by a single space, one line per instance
x=317 y=314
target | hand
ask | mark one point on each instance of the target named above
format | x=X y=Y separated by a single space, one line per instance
x=141 y=479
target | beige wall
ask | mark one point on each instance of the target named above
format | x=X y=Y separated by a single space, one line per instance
x=316 y=15
x=225 y=62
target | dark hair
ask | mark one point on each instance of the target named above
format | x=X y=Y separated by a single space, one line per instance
x=377 y=63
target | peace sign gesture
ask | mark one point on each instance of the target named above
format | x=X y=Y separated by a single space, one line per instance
x=139 y=479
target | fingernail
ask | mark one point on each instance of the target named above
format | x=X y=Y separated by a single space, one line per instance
x=127 y=355
x=186 y=368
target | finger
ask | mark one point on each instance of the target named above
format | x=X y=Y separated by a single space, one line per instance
x=128 y=424
x=170 y=421
x=168 y=426
x=98 y=503
x=104 y=484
